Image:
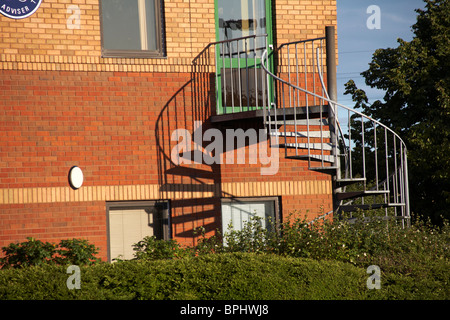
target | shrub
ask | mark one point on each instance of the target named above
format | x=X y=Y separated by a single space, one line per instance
x=207 y=245
x=151 y=248
x=76 y=252
x=420 y=250
x=357 y=242
x=419 y=254
x=226 y=276
x=29 y=253
x=251 y=238
x=300 y=260
x=35 y=252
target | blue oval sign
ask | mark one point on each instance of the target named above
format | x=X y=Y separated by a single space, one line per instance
x=19 y=9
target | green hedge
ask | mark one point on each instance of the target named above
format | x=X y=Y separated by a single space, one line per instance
x=326 y=260
x=227 y=276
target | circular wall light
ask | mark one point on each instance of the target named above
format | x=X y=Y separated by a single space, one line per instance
x=76 y=177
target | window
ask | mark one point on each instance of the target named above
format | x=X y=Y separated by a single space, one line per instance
x=237 y=211
x=132 y=28
x=240 y=18
x=130 y=222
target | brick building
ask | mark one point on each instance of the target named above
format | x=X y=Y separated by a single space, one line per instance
x=114 y=90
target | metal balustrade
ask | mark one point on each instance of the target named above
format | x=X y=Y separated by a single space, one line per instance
x=366 y=158
x=240 y=83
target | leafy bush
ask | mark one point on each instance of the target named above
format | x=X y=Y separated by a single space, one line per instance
x=76 y=252
x=151 y=248
x=421 y=250
x=207 y=245
x=251 y=238
x=417 y=256
x=299 y=260
x=227 y=276
x=360 y=242
x=29 y=253
x=35 y=252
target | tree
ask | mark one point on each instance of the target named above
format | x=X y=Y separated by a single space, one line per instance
x=416 y=78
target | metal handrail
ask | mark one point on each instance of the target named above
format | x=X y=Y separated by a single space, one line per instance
x=194 y=62
x=245 y=53
x=398 y=179
x=329 y=101
x=401 y=186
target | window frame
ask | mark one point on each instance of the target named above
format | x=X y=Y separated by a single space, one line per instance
x=143 y=54
x=275 y=200
x=131 y=205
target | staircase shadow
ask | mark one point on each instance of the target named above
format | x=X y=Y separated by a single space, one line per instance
x=192 y=188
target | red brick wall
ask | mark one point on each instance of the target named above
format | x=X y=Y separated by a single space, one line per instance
x=54 y=221
x=101 y=121
x=117 y=127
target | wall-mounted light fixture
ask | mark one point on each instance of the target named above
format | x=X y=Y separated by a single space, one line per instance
x=76 y=177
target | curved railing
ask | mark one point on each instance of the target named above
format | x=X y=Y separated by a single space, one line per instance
x=369 y=154
x=368 y=159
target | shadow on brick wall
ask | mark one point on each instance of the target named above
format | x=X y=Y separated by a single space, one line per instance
x=192 y=186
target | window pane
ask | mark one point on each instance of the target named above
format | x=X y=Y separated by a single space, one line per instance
x=128 y=227
x=238 y=212
x=120 y=24
x=242 y=18
x=151 y=25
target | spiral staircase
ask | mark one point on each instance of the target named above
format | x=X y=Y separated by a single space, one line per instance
x=366 y=159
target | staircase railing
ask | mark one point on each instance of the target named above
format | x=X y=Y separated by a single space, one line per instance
x=369 y=155
x=305 y=69
x=240 y=83
x=368 y=158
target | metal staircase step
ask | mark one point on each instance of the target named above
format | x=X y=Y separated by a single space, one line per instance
x=328 y=170
x=354 y=207
x=354 y=220
x=358 y=194
x=303 y=134
x=300 y=122
x=312 y=146
x=298 y=112
x=348 y=181
x=318 y=157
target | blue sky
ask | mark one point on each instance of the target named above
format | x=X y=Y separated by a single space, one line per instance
x=357 y=42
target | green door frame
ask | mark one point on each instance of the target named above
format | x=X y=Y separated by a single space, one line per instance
x=229 y=63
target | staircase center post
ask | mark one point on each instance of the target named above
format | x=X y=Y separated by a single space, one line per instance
x=332 y=112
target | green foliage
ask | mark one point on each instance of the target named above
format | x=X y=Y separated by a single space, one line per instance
x=362 y=241
x=76 y=252
x=227 y=276
x=35 y=253
x=251 y=238
x=151 y=248
x=29 y=253
x=205 y=245
x=416 y=78
x=418 y=254
x=297 y=260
